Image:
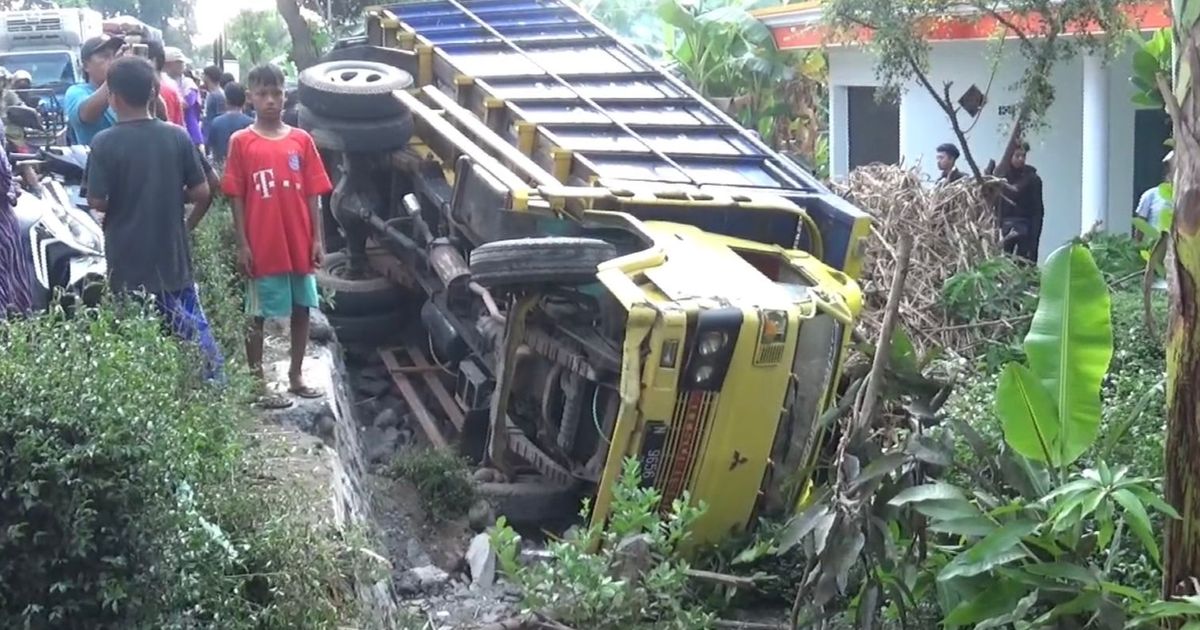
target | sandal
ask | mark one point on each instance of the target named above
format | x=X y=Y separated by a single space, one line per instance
x=305 y=391
x=272 y=402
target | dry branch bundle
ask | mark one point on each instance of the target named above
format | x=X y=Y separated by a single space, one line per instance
x=953 y=228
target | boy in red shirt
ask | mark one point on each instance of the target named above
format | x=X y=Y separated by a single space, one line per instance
x=274 y=176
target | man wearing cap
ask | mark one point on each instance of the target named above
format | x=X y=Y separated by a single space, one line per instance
x=86 y=103
x=176 y=63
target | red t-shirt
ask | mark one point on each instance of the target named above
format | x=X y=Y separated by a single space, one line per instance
x=275 y=178
x=172 y=99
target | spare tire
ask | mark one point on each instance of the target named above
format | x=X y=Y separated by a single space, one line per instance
x=354 y=89
x=356 y=136
x=548 y=260
x=356 y=296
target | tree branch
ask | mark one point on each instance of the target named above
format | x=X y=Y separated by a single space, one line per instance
x=1172 y=103
x=1004 y=21
x=962 y=137
x=947 y=106
x=891 y=315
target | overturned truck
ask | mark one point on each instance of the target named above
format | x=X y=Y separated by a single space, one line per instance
x=610 y=266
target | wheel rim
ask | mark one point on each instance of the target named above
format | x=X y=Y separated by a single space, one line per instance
x=355 y=76
x=341 y=270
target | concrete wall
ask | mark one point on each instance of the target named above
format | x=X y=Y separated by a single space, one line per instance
x=1056 y=147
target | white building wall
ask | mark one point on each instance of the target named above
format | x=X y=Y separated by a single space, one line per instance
x=1056 y=147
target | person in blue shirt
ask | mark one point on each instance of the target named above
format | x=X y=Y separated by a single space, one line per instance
x=86 y=103
x=232 y=121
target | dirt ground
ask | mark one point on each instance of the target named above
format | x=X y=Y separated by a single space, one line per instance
x=321 y=447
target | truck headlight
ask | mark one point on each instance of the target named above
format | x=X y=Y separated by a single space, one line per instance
x=714 y=339
x=712 y=342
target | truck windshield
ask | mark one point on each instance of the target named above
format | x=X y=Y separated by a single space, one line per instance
x=46 y=68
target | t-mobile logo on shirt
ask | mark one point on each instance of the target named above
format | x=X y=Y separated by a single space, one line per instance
x=264 y=182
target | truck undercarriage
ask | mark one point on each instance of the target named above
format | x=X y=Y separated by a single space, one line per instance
x=601 y=286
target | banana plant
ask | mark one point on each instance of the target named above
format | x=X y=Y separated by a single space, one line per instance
x=1151 y=57
x=1050 y=409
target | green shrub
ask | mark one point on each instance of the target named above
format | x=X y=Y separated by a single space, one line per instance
x=1117 y=255
x=100 y=424
x=128 y=496
x=443 y=481
x=997 y=288
x=222 y=287
x=614 y=588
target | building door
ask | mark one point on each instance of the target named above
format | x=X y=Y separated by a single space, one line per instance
x=1151 y=128
x=874 y=127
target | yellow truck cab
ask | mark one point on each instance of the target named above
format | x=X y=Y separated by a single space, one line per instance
x=646 y=279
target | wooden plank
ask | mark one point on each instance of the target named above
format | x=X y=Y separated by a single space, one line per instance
x=444 y=399
x=428 y=422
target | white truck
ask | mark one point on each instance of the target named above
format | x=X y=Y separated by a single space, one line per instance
x=46 y=42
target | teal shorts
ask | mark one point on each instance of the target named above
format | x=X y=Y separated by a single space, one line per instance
x=276 y=296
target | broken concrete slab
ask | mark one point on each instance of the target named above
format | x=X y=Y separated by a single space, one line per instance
x=481 y=560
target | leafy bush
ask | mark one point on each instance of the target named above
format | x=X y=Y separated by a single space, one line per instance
x=1117 y=255
x=127 y=494
x=443 y=481
x=997 y=288
x=636 y=580
x=1020 y=498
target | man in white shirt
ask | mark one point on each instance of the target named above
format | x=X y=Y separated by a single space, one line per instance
x=1152 y=203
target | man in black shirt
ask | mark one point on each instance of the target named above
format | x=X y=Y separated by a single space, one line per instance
x=947 y=156
x=1022 y=209
x=141 y=172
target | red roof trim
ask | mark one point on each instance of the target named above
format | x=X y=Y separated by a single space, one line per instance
x=1148 y=16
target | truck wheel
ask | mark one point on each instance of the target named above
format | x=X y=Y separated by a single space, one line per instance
x=356 y=296
x=358 y=136
x=530 y=500
x=370 y=329
x=353 y=89
x=549 y=260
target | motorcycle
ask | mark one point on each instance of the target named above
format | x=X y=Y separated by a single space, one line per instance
x=65 y=243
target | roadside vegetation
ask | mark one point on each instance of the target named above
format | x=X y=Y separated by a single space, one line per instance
x=442 y=480
x=131 y=493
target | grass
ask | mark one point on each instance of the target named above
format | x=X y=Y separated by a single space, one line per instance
x=443 y=481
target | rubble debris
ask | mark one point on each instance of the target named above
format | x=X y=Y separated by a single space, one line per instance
x=424 y=579
x=481 y=516
x=633 y=556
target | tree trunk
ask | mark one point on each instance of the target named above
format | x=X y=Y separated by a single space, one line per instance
x=304 y=48
x=1182 y=545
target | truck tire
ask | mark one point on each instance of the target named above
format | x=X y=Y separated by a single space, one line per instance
x=354 y=89
x=356 y=296
x=548 y=260
x=376 y=329
x=356 y=136
x=530 y=500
